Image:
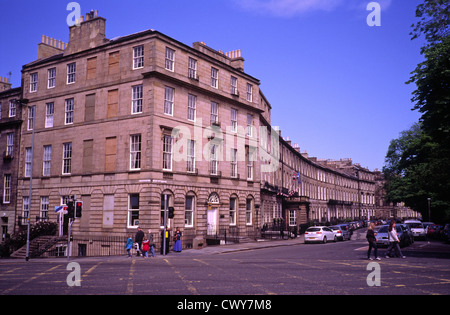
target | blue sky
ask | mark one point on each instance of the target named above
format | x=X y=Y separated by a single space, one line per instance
x=336 y=86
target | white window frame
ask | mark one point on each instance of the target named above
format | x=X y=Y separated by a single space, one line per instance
x=7 y=188
x=167 y=152
x=47 y=160
x=249 y=165
x=135 y=152
x=249 y=211
x=190 y=156
x=31 y=115
x=249 y=125
x=138 y=57
x=233 y=211
x=214 y=113
x=49 y=114
x=69 y=111
x=292 y=217
x=25 y=209
x=44 y=207
x=215 y=77
x=67 y=158
x=234 y=120
x=137 y=99
x=28 y=161
x=12 y=109
x=192 y=69
x=170 y=59
x=169 y=96
x=192 y=105
x=214 y=159
x=10 y=144
x=33 y=82
x=131 y=210
x=71 y=72
x=233 y=162
x=51 y=81
x=234 y=85
x=189 y=211
x=249 y=92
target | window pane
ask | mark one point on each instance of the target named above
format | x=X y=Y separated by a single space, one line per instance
x=134 y=201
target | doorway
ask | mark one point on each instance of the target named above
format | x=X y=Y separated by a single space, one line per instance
x=212 y=221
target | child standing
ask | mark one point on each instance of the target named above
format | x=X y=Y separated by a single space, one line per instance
x=145 y=247
x=129 y=245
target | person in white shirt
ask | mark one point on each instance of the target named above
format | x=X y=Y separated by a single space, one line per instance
x=394 y=242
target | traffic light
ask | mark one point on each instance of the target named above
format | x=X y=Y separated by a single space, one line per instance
x=171 y=212
x=78 y=209
x=70 y=209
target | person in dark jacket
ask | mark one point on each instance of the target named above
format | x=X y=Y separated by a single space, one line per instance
x=177 y=239
x=372 y=241
x=138 y=238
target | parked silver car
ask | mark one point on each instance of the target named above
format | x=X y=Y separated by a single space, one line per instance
x=342 y=231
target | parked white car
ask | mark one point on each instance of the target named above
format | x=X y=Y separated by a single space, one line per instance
x=417 y=228
x=319 y=234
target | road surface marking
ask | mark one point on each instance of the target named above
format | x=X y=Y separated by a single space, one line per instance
x=130 y=278
x=187 y=283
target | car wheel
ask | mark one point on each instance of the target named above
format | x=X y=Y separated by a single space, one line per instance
x=324 y=240
x=335 y=239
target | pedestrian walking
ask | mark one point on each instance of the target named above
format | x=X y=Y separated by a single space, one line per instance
x=370 y=236
x=393 y=241
x=129 y=245
x=138 y=238
x=152 y=243
x=145 y=247
x=177 y=238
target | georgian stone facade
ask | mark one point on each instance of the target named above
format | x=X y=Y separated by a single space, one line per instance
x=120 y=123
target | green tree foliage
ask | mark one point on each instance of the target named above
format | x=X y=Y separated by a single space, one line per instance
x=418 y=162
x=415 y=171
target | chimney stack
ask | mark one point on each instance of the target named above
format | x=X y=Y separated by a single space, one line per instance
x=89 y=34
x=4 y=84
x=50 y=47
x=236 y=59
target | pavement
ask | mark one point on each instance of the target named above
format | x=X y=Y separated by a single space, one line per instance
x=238 y=247
x=358 y=235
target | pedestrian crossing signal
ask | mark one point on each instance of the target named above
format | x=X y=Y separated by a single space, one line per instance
x=78 y=209
x=70 y=209
x=171 y=212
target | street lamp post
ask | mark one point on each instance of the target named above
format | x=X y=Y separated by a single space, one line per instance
x=429 y=209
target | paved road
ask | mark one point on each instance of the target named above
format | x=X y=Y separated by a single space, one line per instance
x=278 y=268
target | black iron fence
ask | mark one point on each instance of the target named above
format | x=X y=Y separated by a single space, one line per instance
x=87 y=246
x=114 y=245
